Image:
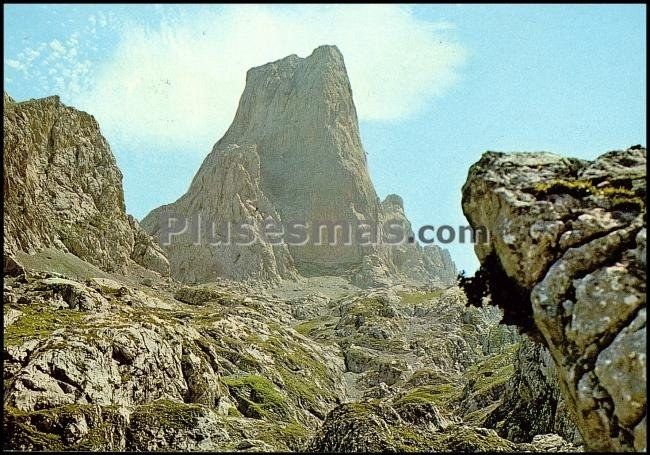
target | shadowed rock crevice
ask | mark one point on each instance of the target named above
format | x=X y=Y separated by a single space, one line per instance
x=490 y=282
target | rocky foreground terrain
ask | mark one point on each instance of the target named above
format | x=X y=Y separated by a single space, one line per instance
x=114 y=343
x=96 y=361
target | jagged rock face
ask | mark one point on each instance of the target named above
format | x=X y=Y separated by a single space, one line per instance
x=62 y=189
x=292 y=154
x=430 y=263
x=298 y=124
x=399 y=427
x=568 y=237
x=300 y=114
x=532 y=403
x=439 y=260
x=103 y=364
x=226 y=188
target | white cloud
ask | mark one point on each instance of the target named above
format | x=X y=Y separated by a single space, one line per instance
x=180 y=82
x=57 y=47
x=15 y=64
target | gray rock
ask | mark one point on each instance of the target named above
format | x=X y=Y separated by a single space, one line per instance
x=63 y=189
x=293 y=153
x=568 y=240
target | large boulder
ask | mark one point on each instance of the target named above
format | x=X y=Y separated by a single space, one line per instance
x=565 y=259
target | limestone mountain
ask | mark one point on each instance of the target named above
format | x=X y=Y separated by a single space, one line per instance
x=63 y=190
x=566 y=261
x=297 y=123
x=227 y=187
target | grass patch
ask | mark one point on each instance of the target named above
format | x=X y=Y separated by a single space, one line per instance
x=493 y=371
x=439 y=395
x=412 y=298
x=305 y=378
x=19 y=432
x=307 y=327
x=42 y=429
x=257 y=397
x=366 y=307
x=39 y=322
x=577 y=188
x=168 y=413
x=618 y=197
x=293 y=435
x=635 y=204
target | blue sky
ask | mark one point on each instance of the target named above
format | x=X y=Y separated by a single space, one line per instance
x=435 y=85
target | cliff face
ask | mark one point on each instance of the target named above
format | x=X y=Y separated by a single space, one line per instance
x=411 y=261
x=566 y=261
x=103 y=355
x=226 y=188
x=62 y=189
x=301 y=115
x=532 y=402
x=297 y=126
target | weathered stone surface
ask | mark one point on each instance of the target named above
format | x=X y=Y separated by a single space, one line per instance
x=101 y=352
x=103 y=364
x=224 y=375
x=62 y=189
x=374 y=426
x=568 y=242
x=226 y=189
x=531 y=401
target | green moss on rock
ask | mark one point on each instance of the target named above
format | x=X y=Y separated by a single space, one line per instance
x=440 y=395
x=293 y=435
x=412 y=298
x=168 y=413
x=257 y=397
x=616 y=197
x=39 y=322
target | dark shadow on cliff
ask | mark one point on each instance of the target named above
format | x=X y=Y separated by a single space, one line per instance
x=491 y=282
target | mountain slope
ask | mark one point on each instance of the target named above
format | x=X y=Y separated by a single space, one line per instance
x=62 y=189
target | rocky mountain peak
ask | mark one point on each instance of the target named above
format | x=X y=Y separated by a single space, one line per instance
x=7 y=99
x=297 y=121
x=393 y=201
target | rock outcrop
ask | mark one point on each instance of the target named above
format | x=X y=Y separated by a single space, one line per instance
x=411 y=261
x=103 y=364
x=566 y=261
x=226 y=188
x=292 y=154
x=62 y=189
x=531 y=402
x=102 y=351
